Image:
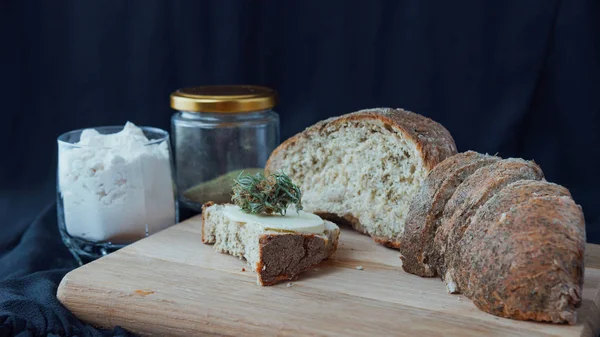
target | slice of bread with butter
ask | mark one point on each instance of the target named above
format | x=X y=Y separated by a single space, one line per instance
x=277 y=247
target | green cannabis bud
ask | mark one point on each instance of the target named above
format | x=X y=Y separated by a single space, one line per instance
x=256 y=194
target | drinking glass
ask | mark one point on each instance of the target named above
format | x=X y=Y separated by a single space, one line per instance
x=109 y=196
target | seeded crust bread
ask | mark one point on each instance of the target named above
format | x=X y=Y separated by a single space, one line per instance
x=490 y=227
x=275 y=256
x=427 y=206
x=468 y=197
x=364 y=167
x=529 y=264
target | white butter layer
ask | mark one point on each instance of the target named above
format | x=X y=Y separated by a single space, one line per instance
x=301 y=222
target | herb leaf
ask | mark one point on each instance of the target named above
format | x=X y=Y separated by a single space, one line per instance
x=256 y=194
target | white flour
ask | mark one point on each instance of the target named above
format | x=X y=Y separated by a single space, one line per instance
x=113 y=186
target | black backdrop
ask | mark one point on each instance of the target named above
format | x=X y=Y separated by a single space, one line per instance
x=519 y=78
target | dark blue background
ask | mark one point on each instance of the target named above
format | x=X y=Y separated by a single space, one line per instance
x=517 y=77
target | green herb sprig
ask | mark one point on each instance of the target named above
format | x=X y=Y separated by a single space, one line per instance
x=260 y=194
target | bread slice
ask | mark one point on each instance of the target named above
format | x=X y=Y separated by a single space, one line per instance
x=274 y=255
x=427 y=206
x=529 y=264
x=363 y=168
x=489 y=214
x=466 y=200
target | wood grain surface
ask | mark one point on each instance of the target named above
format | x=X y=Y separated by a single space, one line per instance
x=172 y=284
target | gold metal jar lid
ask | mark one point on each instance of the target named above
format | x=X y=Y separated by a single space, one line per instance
x=224 y=98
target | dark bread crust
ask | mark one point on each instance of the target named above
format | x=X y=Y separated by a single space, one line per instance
x=466 y=200
x=530 y=263
x=433 y=144
x=490 y=213
x=285 y=256
x=516 y=193
x=416 y=243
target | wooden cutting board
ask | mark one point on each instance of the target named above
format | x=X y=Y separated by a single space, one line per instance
x=172 y=284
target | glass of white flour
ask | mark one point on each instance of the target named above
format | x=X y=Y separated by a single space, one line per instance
x=114 y=186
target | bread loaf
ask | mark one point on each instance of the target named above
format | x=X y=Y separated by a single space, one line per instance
x=364 y=168
x=492 y=228
x=427 y=206
x=274 y=255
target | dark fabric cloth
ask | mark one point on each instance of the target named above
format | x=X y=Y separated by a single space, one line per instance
x=32 y=263
x=28 y=307
x=518 y=78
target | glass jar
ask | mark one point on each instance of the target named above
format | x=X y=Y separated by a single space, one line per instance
x=114 y=186
x=219 y=132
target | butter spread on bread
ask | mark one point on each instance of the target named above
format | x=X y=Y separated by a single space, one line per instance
x=292 y=221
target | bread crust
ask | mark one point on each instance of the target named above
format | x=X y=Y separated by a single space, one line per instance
x=468 y=197
x=484 y=219
x=433 y=141
x=416 y=243
x=433 y=144
x=203 y=217
x=511 y=277
x=304 y=251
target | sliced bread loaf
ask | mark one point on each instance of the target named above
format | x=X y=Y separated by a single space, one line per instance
x=427 y=206
x=529 y=264
x=275 y=255
x=364 y=167
x=466 y=200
